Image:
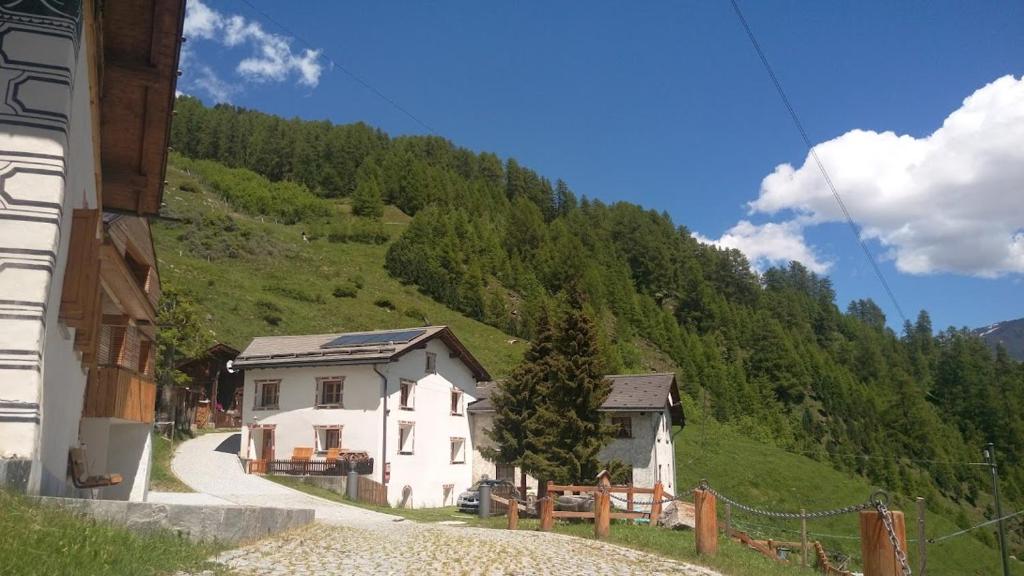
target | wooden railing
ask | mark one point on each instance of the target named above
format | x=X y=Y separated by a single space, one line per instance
x=825 y=565
x=339 y=467
x=118 y=393
x=372 y=492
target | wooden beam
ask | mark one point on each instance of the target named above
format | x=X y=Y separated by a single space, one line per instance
x=133 y=73
x=117 y=320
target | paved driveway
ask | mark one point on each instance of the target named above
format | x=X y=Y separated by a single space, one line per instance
x=347 y=540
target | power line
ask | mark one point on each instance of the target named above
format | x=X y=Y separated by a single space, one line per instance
x=335 y=64
x=817 y=160
x=975 y=527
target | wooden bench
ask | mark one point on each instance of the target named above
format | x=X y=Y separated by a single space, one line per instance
x=80 y=473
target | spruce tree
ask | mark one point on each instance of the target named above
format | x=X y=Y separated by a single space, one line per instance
x=569 y=430
x=516 y=401
x=366 y=200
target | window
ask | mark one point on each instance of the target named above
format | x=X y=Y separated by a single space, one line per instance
x=405 y=402
x=505 y=472
x=329 y=392
x=328 y=437
x=267 y=393
x=623 y=426
x=456 y=402
x=406 y=433
x=458 y=451
x=431 y=363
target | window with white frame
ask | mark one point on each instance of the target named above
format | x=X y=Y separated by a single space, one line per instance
x=267 y=394
x=431 y=363
x=406 y=437
x=458 y=451
x=456 y=402
x=327 y=437
x=408 y=387
x=329 y=392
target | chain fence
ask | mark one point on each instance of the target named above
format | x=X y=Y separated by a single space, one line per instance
x=812 y=515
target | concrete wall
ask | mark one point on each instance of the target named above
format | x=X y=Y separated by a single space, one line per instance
x=230 y=524
x=426 y=470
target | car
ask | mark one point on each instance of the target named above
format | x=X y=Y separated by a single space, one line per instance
x=469 y=501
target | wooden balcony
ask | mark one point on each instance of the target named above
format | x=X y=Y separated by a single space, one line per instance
x=118 y=393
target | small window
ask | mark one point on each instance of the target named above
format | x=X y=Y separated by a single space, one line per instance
x=623 y=426
x=328 y=437
x=456 y=402
x=267 y=393
x=458 y=451
x=431 y=363
x=406 y=434
x=329 y=392
x=406 y=400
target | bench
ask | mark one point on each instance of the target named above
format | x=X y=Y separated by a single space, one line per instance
x=80 y=474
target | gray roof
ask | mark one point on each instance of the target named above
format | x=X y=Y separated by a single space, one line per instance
x=629 y=392
x=310 y=350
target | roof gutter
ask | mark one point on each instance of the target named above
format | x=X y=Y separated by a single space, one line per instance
x=384 y=424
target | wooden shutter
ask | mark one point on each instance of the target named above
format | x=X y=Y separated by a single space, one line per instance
x=80 y=298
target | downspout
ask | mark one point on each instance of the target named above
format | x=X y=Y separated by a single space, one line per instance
x=384 y=424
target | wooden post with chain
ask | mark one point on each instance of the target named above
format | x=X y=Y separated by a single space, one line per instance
x=706 y=522
x=877 y=553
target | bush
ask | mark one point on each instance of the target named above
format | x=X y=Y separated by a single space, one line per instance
x=416 y=314
x=385 y=304
x=358 y=281
x=189 y=187
x=359 y=231
x=345 y=291
x=269 y=312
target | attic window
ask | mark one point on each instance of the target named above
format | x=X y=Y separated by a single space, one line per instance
x=623 y=426
x=431 y=363
x=456 y=402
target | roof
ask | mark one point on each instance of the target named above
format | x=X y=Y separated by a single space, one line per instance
x=317 y=349
x=630 y=392
x=219 y=352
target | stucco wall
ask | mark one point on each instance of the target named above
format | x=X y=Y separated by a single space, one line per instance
x=47 y=171
x=427 y=469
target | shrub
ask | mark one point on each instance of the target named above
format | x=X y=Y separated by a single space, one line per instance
x=189 y=187
x=345 y=291
x=358 y=281
x=269 y=312
x=248 y=192
x=357 y=230
x=385 y=304
x=416 y=314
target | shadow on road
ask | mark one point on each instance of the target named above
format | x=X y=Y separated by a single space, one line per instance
x=231 y=445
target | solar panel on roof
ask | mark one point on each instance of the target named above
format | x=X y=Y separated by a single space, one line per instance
x=349 y=340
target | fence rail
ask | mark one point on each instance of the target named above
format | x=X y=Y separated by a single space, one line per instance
x=310 y=467
x=372 y=491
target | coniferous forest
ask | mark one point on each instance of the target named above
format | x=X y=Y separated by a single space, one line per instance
x=771 y=353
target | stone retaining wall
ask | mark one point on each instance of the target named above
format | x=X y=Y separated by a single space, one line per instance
x=230 y=524
x=335 y=484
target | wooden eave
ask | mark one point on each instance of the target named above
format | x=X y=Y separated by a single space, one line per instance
x=140 y=46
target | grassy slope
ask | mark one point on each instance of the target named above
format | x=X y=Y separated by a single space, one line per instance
x=44 y=541
x=771 y=478
x=161 y=478
x=227 y=290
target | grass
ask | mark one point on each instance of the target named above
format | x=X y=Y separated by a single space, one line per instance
x=771 y=478
x=161 y=478
x=227 y=291
x=40 y=540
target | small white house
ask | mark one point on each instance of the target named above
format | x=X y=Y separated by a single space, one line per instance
x=643 y=407
x=398 y=395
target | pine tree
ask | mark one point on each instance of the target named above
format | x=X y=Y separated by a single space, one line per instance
x=569 y=430
x=366 y=200
x=516 y=400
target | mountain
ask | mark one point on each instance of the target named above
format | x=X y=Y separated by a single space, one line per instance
x=1009 y=333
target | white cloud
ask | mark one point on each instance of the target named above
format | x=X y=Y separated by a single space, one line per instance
x=951 y=201
x=770 y=244
x=271 y=60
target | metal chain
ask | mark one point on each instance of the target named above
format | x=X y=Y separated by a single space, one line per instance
x=788 y=515
x=883 y=510
x=642 y=502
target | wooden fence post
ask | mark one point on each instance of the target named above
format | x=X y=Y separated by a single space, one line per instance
x=803 y=538
x=659 y=493
x=602 y=506
x=547 y=510
x=706 y=520
x=877 y=552
x=513 y=514
x=629 y=502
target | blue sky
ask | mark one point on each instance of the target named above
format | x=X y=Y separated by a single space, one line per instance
x=665 y=104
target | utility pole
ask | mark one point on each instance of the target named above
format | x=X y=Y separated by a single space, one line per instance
x=990 y=457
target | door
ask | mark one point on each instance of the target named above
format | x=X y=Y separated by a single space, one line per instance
x=267 y=444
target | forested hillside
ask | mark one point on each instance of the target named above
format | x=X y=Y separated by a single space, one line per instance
x=772 y=354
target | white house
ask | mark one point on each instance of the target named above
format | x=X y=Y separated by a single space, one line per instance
x=84 y=125
x=398 y=395
x=644 y=407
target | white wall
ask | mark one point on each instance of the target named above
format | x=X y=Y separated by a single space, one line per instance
x=41 y=396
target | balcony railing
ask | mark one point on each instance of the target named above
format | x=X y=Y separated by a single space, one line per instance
x=118 y=393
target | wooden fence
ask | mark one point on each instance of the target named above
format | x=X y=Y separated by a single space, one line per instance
x=372 y=492
x=825 y=566
x=339 y=467
x=602 y=513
